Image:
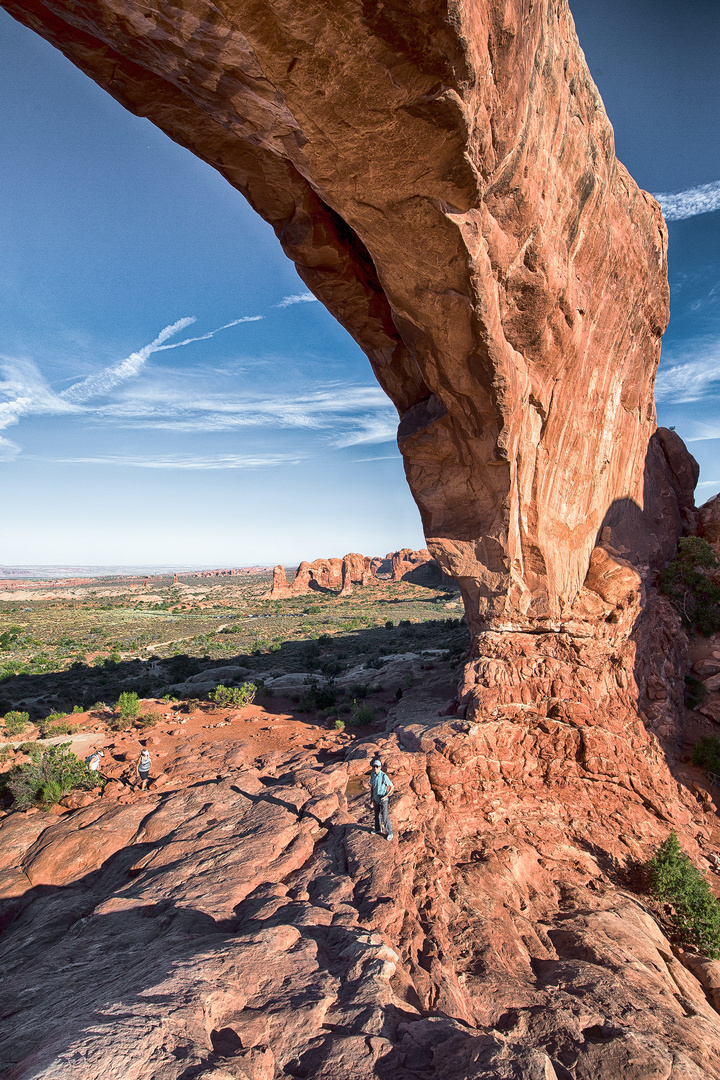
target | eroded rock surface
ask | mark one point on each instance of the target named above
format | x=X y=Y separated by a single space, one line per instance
x=444 y=179
x=417 y=567
x=245 y=921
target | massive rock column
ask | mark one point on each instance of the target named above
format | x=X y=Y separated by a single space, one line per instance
x=443 y=176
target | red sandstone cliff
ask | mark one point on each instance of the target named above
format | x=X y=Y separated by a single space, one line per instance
x=355 y=569
x=444 y=178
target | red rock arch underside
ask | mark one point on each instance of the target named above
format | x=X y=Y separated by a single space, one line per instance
x=443 y=177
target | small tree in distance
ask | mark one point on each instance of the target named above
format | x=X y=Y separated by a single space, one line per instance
x=128 y=705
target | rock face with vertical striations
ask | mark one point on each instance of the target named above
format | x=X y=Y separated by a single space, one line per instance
x=444 y=178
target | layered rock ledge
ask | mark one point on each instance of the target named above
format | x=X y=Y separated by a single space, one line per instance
x=245 y=922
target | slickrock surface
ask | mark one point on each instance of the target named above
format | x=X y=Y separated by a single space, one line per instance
x=242 y=920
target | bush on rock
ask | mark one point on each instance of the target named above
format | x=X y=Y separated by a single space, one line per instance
x=673 y=877
x=53 y=772
x=686 y=583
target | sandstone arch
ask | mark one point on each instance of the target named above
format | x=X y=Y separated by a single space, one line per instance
x=443 y=176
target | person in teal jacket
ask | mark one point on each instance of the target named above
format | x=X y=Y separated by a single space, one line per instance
x=381 y=788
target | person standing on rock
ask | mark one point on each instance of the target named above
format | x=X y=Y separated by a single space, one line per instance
x=143 y=769
x=381 y=788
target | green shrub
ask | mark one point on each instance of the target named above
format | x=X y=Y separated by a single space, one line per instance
x=51 y=793
x=339 y=724
x=389 y=624
x=47 y=731
x=32 y=749
x=121 y=723
x=128 y=705
x=361 y=714
x=15 y=722
x=706 y=753
x=319 y=695
x=688 y=587
x=694 y=691
x=237 y=696
x=146 y=720
x=55 y=772
x=673 y=877
x=9 y=637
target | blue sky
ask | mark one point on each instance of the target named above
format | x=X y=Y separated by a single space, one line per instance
x=256 y=433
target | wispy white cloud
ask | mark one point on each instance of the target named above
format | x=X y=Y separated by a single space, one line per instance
x=355 y=414
x=701 y=432
x=690 y=379
x=27 y=392
x=104 y=381
x=8 y=449
x=297 y=298
x=371 y=428
x=377 y=457
x=190 y=401
x=686 y=204
x=176 y=461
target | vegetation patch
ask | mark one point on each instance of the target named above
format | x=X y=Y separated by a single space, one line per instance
x=53 y=772
x=15 y=722
x=361 y=713
x=319 y=695
x=706 y=753
x=674 y=878
x=687 y=584
x=128 y=705
x=236 y=696
x=694 y=692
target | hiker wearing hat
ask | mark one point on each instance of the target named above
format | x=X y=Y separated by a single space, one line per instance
x=93 y=762
x=381 y=787
x=143 y=769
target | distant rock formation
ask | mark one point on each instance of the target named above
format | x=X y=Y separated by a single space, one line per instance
x=417 y=567
x=355 y=571
x=280 y=589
